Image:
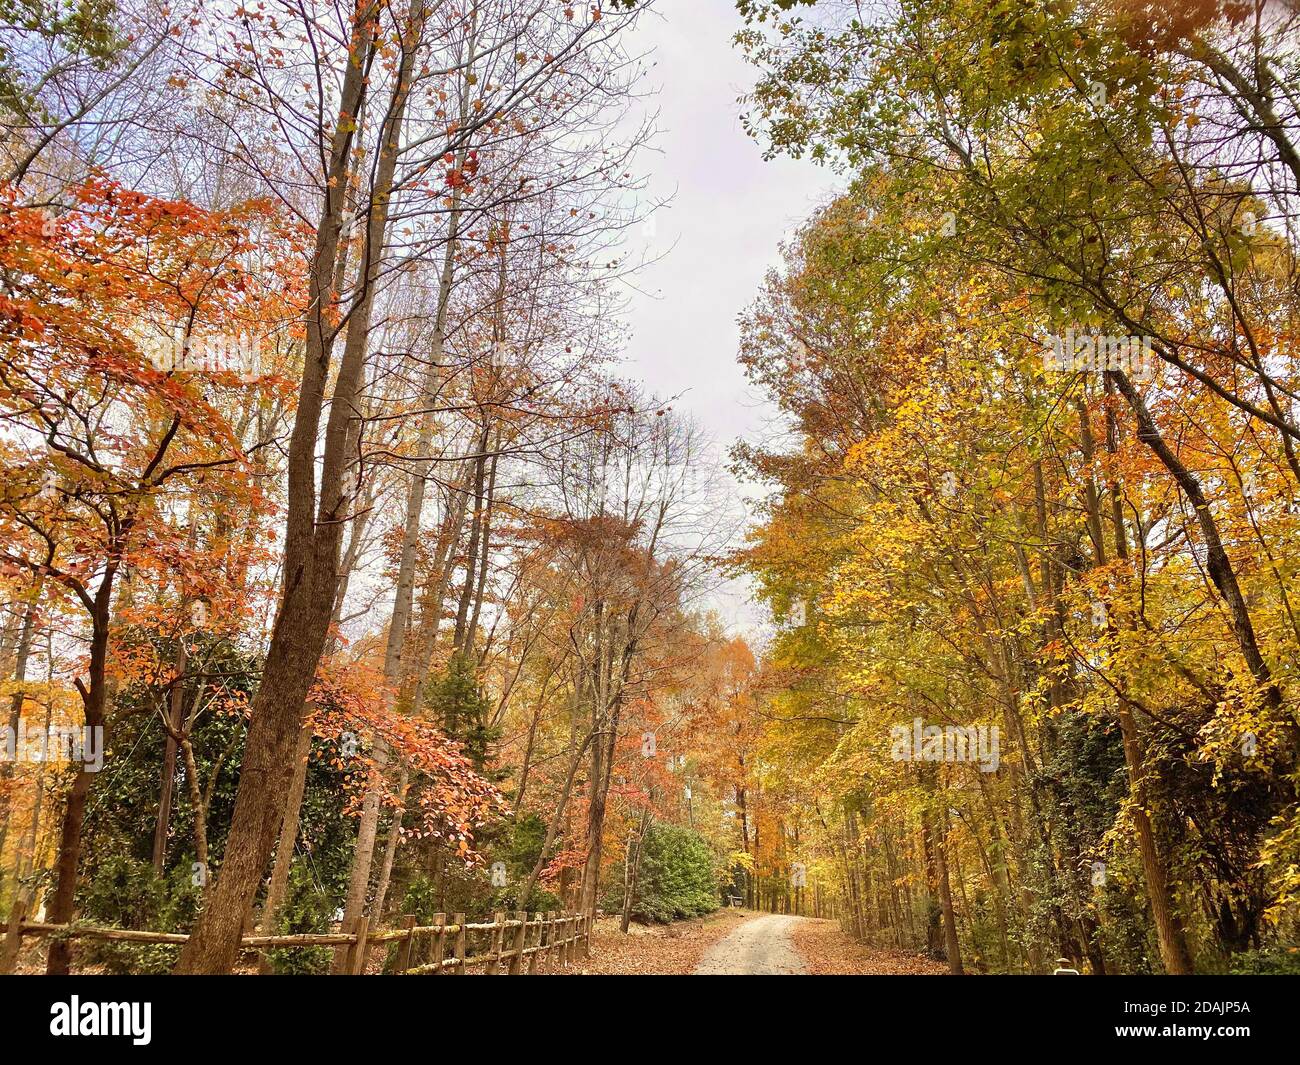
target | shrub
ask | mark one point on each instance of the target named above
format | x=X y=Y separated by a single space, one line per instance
x=307 y=909
x=1277 y=961
x=126 y=893
x=677 y=877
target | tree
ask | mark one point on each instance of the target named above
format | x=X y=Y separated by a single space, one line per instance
x=100 y=435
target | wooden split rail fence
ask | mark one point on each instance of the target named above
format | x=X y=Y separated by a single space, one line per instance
x=512 y=944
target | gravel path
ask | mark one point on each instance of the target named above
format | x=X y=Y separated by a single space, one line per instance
x=759 y=947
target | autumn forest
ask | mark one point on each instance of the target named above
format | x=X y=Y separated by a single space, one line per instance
x=363 y=609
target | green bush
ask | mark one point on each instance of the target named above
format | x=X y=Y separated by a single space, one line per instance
x=518 y=845
x=126 y=893
x=506 y=900
x=1277 y=961
x=307 y=909
x=420 y=901
x=678 y=877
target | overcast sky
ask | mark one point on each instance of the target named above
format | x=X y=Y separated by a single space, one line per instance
x=729 y=212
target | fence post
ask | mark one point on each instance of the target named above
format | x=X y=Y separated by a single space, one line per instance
x=349 y=950
x=13 y=941
x=439 y=941
x=498 y=937
x=521 y=940
x=357 y=952
x=458 y=948
x=566 y=949
x=404 y=950
x=537 y=947
x=586 y=935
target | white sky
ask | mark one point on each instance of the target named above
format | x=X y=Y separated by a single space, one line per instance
x=729 y=212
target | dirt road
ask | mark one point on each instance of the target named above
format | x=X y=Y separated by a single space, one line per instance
x=759 y=947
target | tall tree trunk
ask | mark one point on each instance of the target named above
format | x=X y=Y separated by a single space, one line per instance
x=390 y=846
x=461 y=636
x=951 y=945
x=288 y=835
x=390 y=145
x=632 y=869
x=311 y=550
x=200 y=808
x=25 y=859
x=484 y=547
x=557 y=819
x=1219 y=565
x=94 y=696
x=1169 y=932
x=279 y=886
x=435 y=592
x=22 y=653
x=167 y=784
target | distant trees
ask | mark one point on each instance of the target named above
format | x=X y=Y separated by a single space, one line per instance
x=1080 y=552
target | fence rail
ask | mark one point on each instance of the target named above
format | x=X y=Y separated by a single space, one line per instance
x=506 y=943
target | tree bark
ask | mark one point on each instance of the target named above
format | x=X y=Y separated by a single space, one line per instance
x=94 y=696
x=632 y=869
x=1169 y=932
x=284 y=851
x=167 y=784
x=312 y=537
x=1217 y=562
x=22 y=653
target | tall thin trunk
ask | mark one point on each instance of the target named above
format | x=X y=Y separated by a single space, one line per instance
x=367 y=830
x=390 y=846
x=22 y=653
x=557 y=818
x=25 y=859
x=461 y=636
x=435 y=592
x=484 y=547
x=632 y=868
x=1169 y=932
x=94 y=695
x=279 y=886
x=200 y=807
x=288 y=835
x=168 y=781
x=311 y=546
x=1219 y=565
